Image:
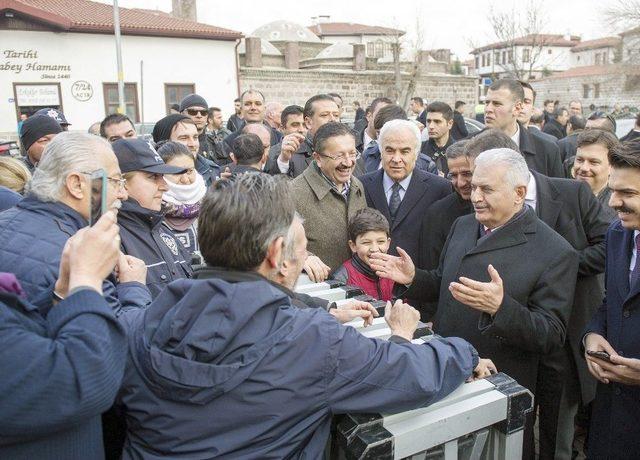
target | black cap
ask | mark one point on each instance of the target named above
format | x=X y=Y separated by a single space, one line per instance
x=56 y=114
x=192 y=100
x=35 y=127
x=140 y=155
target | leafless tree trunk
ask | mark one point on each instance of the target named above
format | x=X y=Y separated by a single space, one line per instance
x=624 y=15
x=511 y=25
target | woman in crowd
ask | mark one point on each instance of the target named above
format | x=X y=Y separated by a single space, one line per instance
x=13 y=174
x=181 y=202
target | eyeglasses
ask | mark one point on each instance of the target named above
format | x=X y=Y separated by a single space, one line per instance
x=120 y=183
x=194 y=112
x=343 y=157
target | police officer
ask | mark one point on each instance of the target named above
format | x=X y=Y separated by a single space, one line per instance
x=140 y=217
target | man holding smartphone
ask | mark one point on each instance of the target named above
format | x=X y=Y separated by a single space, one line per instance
x=611 y=341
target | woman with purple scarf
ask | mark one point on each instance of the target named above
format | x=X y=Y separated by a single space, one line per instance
x=181 y=202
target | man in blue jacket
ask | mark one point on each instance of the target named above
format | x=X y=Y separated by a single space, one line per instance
x=56 y=206
x=218 y=368
x=615 y=421
x=62 y=369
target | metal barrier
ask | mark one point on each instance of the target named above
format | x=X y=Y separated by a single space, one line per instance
x=479 y=420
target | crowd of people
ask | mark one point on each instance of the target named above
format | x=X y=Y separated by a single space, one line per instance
x=127 y=335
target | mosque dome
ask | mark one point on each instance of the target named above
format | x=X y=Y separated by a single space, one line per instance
x=267 y=48
x=285 y=31
x=336 y=51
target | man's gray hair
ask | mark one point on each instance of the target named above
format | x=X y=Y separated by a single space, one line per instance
x=240 y=218
x=456 y=150
x=517 y=173
x=400 y=125
x=289 y=241
x=66 y=153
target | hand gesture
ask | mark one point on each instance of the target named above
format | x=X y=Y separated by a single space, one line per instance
x=290 y=145
x=402 y=319
x=316 y=269
x=131 y=269
x=355 y=309
x=595 y=342
x=89 y=256
x=399 y=269
x=485 y=368
x=485 y=297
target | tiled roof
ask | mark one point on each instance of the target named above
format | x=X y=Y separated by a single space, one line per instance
x=605 y=42
x=349 y=28
x=595 y=70
x=93 y=17
x=531 y=40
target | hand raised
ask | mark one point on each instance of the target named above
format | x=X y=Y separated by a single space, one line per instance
x=399 y=269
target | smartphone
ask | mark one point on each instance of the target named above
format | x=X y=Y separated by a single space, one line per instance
x=98 y=201
x=603 y=355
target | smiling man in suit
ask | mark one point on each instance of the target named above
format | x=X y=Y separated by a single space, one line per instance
x=615 y=421
x=503 y=275
x=399 y=191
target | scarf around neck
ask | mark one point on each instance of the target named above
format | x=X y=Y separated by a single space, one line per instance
x=182 y=203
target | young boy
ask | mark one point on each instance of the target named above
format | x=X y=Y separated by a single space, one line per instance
x=368 y=233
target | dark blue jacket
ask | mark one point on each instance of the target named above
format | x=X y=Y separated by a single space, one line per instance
x=226 y=370
x=615 y=420
x=33 y=235
x=371 y=157
x=209 y=170
x=8 y=198
x=59 y=373
x=143 y=236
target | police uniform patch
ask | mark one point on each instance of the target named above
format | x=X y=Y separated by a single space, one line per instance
x=170 y=242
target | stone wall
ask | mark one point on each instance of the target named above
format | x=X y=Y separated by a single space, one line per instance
x=296 y=86
x=615 y=85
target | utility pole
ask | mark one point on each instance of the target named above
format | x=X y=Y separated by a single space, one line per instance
x=116 y=28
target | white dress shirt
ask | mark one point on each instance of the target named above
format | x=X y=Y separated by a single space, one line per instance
x=634 y=253
x=516 y=137
x=387 y=184
x=532 y=193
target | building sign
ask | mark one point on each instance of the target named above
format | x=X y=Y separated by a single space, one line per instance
x=24 y=61
x=37 y=95
x=82 y=90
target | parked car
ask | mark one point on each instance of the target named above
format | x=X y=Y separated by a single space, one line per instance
x=624 y=125
x=9 y=148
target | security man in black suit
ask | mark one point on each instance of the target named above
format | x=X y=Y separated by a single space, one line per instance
x=501 y=110
x=489 y=287
x=400 y=191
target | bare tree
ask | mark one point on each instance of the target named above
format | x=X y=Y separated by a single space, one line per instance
x=407 y=74
x=624 y=16
x=520 y=30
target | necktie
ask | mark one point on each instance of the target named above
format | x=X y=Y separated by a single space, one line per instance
x=394 y=201
x=635 y=273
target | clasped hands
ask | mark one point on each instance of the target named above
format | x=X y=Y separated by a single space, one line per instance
x=482 y=296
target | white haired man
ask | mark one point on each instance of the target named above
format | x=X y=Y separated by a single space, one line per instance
x=56 y=206
x=491 y=290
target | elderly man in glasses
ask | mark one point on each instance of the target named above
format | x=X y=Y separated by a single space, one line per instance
x=327 y=195
x=399 y=190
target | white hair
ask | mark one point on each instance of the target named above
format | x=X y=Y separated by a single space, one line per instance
x=400 y=125
x=66 y=153
x=517 y=173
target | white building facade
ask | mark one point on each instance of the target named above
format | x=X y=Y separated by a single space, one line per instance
x=76 y=72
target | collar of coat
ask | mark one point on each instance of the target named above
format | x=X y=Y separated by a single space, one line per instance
x=236 y=276
x=321 y=186
x=132 y=211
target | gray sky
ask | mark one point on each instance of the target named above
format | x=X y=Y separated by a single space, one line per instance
x=453 y=24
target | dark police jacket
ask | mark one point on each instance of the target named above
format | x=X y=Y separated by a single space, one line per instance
x=143 y=236
x=615 y=419
x=234 y=370
x=538 y=270
x=208 y=169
